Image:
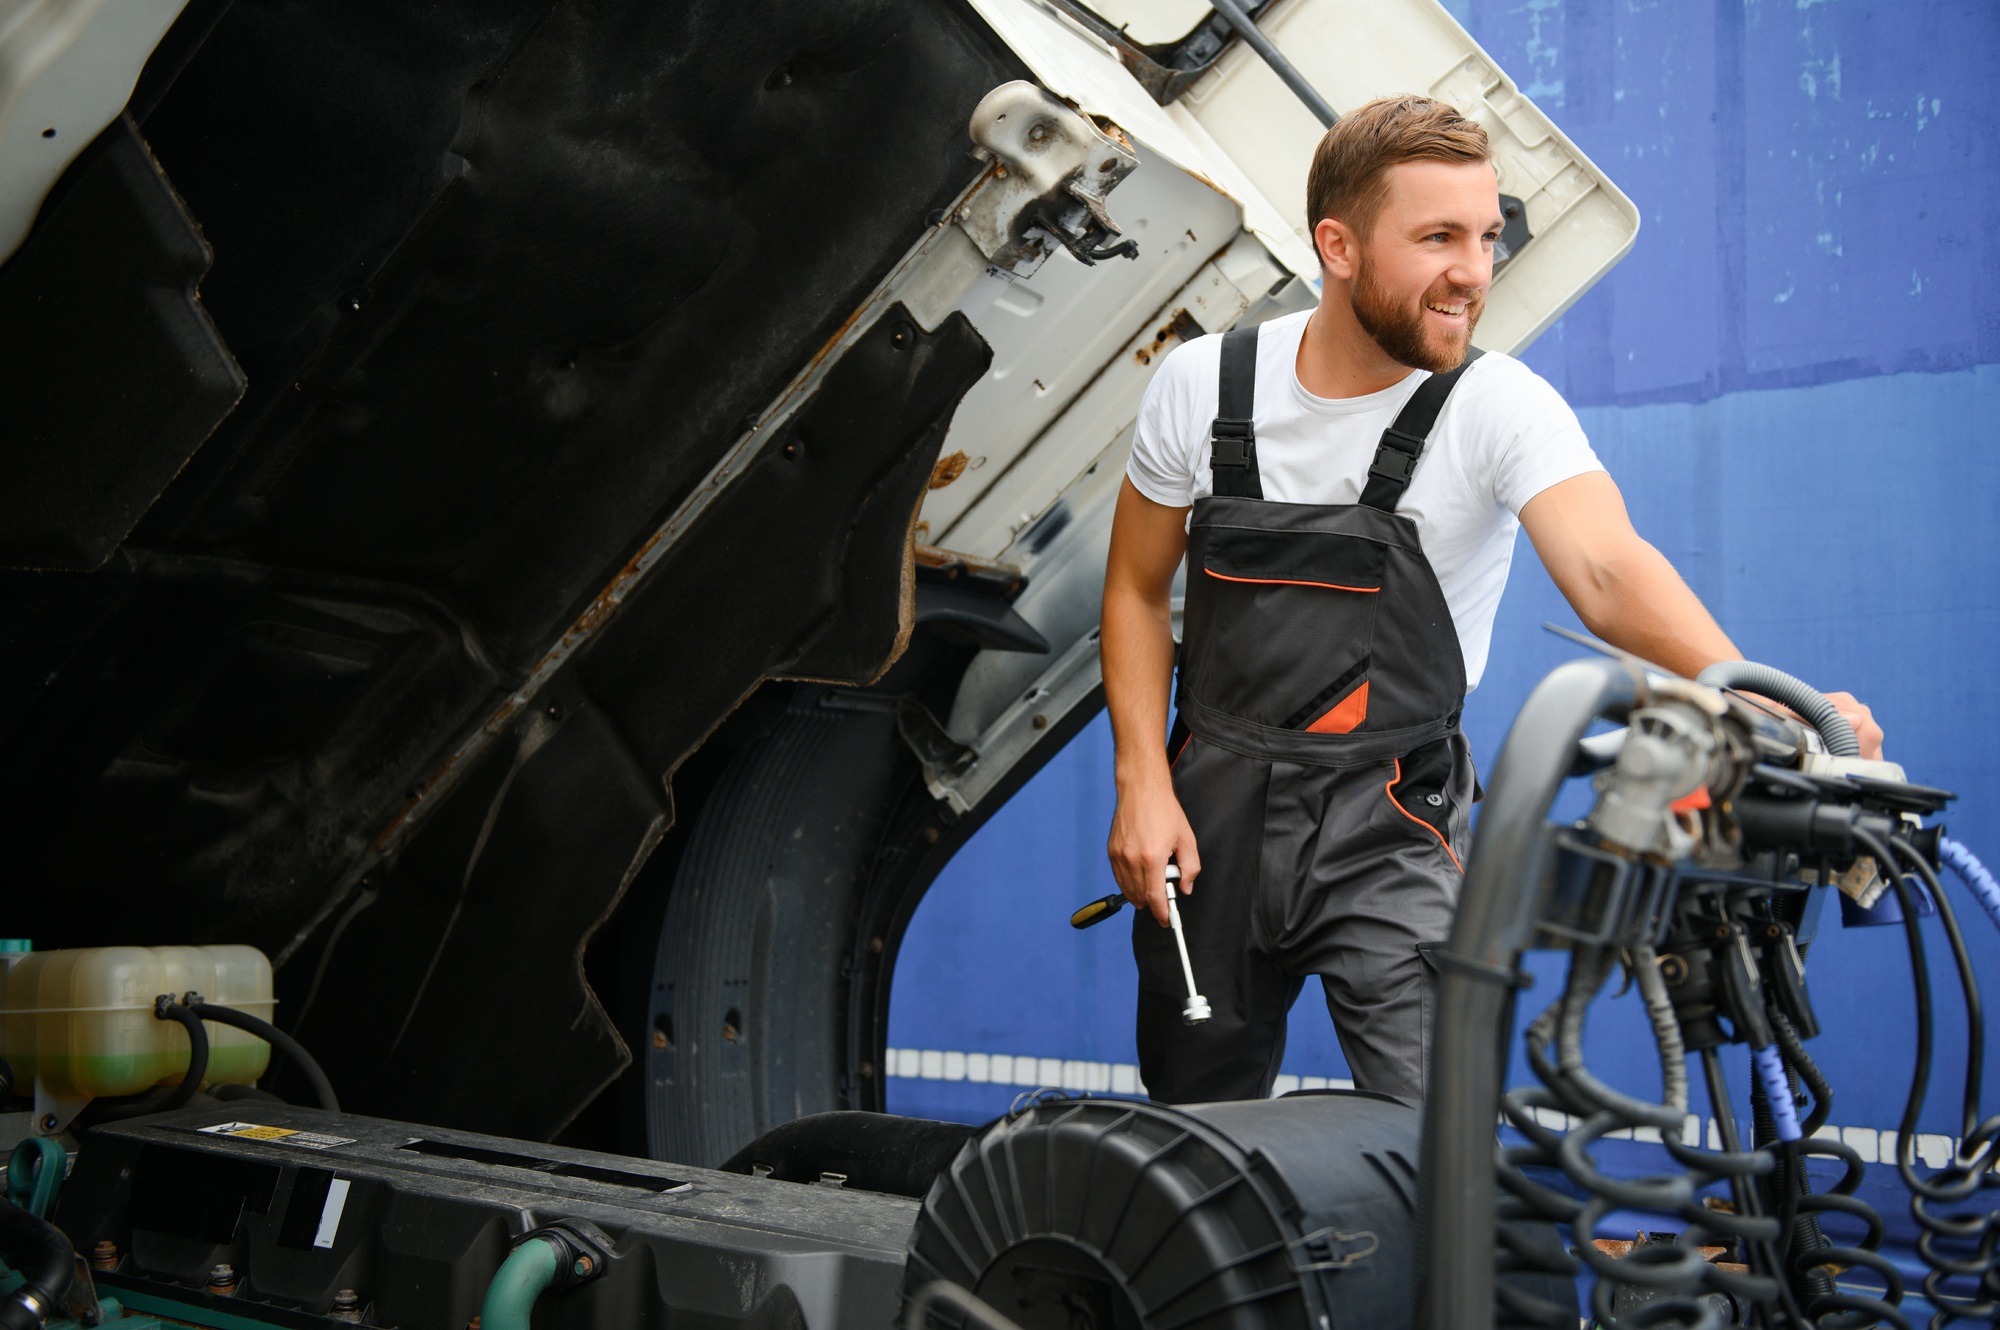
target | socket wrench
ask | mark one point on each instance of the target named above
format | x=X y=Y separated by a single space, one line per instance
x=1196 y=1009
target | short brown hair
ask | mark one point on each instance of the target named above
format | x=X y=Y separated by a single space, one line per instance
x=1350 y=168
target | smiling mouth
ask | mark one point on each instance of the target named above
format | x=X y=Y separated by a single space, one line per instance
x=1446 y=307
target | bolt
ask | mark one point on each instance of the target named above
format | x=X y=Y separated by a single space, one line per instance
x=660 y=1040
x=867 y=1071
x=49 y=1121
x=728 y=1033
x=347 y=1306
x=104 y=1256
x=1434 y=800
x=875 y=945
x=222 y=1279
x=1041 y=722
x=584 y=1267
x=555 y=711
x=1673 y=969
x=930 y=835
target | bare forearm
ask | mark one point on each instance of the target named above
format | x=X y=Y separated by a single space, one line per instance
x=1636 y=601
x=1138 y=656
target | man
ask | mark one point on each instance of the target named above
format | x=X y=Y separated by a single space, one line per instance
x=1346 y=486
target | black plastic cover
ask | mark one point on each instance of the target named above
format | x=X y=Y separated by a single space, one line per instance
x=419 y=1233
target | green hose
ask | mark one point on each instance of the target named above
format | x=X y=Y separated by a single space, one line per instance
x=35 y=1175
x=519 y=1281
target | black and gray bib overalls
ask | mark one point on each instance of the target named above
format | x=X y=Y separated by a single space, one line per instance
x=1317 y=754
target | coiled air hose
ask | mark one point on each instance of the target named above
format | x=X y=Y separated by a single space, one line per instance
x=1973 y=873
x=1793 y=692
x=40 y=1253
x=1770 y=1067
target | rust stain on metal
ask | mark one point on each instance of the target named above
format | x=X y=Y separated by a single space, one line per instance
x=930 y=556
x=839 y=334
x=947 y=470
x=953 y=565
x=1179 y=327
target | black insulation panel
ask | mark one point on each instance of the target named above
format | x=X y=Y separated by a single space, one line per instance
x=113 y=373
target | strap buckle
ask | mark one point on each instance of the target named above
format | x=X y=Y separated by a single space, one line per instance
x=1393 y=466
x=1231 y=443
x=1396 y=458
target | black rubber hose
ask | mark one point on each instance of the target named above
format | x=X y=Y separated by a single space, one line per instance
x=1495 y=923
x=41 y=1255
x=1234 y=15
x=1968 y=982
x=1795 y=693
x=1795 y=1053
x=276 y=1038
x=166 y=1009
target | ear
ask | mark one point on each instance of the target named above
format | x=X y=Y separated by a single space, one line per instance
x=1339 y=249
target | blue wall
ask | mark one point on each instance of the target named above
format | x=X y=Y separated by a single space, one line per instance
x=1795 y=377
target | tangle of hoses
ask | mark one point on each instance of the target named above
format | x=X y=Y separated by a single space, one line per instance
x=1554 y=1048
x=1955 y=1246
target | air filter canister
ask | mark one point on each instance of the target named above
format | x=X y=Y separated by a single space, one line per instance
x=1099 y=1214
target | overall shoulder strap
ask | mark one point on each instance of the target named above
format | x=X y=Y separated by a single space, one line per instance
x=1403 y=442
x=1232 y=443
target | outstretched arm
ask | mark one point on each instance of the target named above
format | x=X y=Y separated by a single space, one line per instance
x=1626 y=592
x=1148 y=541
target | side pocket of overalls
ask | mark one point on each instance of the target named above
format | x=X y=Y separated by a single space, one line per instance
x=1422 y=791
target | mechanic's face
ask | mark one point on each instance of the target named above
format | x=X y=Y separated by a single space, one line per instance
x=1418 y=280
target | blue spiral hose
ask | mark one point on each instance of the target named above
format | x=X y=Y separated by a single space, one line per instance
x=1770 y=1069
x=1980 y=882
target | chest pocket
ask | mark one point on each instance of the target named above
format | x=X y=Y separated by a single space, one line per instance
x=1327 y=560
x=1291 y=620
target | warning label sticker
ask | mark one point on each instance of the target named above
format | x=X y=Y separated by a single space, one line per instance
x=251 y=1131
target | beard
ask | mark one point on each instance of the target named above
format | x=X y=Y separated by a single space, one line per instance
x=1401 y=330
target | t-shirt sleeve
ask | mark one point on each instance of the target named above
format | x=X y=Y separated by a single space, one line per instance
x=1539 y=441
x=1163 y=454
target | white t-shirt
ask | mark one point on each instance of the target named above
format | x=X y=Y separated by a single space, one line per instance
x=1504 y=436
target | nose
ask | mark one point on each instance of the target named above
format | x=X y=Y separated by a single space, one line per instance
x=1472 y=265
